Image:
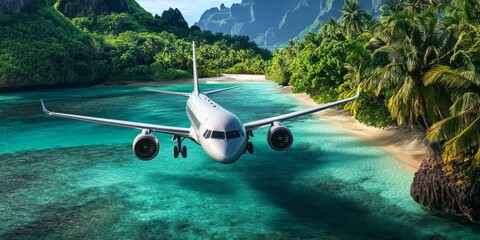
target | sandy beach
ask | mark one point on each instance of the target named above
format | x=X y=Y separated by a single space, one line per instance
x=408 y=147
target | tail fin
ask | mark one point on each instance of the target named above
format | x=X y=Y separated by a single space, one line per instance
x=195 y=74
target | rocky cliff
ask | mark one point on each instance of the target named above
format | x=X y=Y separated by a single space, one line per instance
x=13 y=6
x=173 y=17
x=273 y=23
x=76 y=8
x=434 y=188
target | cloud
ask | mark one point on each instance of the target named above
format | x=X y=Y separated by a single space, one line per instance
x=191 y=10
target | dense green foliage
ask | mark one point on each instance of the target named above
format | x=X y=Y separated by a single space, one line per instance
x=45 y=50
x=418 y=66
x=42 y=47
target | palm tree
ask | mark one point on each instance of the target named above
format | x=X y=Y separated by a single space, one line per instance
x=354 y=65
x=467 y=11
x=415 y=6
x=330 y=29
x=461 y=130
x=402 y=55
x=390 y=9
x=354 y=20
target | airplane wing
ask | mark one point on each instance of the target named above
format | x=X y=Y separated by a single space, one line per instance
x=268 y=121
x=182 y=132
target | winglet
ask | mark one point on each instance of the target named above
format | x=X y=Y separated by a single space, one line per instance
x=195 y=74
x=358 y=92
x=44 y=108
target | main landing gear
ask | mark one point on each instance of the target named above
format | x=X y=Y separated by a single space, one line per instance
x=249 y=147
x=179 y=148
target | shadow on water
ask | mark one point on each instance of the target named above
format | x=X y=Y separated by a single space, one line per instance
x=205 y=185
x=321 y=209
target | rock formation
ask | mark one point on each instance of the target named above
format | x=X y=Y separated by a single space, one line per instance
x=76 y=8
x=173 y=17
x=439 y=191
x=273 y=23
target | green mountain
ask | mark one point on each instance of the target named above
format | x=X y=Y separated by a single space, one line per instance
x=274 y=23
x=45 y=43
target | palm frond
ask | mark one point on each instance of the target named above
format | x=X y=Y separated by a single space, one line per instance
x=444 y=129
x=467 y=102
x=467 y=138
x=449 y=78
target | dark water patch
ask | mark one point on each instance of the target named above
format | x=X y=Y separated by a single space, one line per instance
x=90 y=214
x=154 y=229
x=29 y=179
x=28 y=172
x=435 y=237
x=162 y=229
x=63 y=159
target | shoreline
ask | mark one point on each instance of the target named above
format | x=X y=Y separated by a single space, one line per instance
x=223 y=79
x=407 y=147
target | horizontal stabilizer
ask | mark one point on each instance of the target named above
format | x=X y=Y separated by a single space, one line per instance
x=220 y=90
x=172 y=93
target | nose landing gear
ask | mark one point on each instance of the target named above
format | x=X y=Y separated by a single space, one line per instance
x=179 y=148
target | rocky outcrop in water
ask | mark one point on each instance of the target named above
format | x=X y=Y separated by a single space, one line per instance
x=438 y=191
x=13 y=6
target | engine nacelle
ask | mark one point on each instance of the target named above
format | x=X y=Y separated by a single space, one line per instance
x=279 y=137
x=146 y=146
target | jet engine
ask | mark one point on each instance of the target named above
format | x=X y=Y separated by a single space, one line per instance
x=146 y=146
x=279 y=137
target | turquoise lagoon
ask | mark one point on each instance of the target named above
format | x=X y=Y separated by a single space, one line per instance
x=67 y=179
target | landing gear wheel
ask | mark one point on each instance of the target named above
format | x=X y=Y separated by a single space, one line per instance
x=175 y=152
x=179 y=148
x=184 y=152
x=250 y=147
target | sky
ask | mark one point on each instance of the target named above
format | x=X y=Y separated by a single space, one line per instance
x=191 y=9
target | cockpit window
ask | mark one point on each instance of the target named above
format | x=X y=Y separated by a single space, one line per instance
x=221 y=135
x=218 y=135
x=207 y=134
x=233 y=134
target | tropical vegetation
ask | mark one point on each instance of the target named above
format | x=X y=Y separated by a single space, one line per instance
x=417 y=66
x=69 y=42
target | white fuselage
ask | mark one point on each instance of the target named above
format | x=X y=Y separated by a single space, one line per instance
x=220 y=133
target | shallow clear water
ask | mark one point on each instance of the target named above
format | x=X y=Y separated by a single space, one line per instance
x=67 y=179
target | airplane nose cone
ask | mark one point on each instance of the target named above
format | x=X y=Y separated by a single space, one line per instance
x=226 y=157
x=227 y=153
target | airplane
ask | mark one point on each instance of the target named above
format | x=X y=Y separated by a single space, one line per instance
x=219 y=132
